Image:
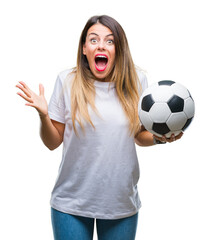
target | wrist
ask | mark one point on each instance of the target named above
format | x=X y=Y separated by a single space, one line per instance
x=43 y=116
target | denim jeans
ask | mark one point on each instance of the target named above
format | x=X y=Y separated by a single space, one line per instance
x=70 y=227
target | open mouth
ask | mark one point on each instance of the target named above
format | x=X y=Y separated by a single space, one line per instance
x=101 y=62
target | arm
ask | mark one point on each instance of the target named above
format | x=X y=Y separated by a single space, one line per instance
x=144 y=138
x=51 y=132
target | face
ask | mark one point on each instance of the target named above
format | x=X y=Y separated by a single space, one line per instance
x=99 y=49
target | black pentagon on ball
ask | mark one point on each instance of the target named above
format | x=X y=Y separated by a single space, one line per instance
x=166 y=82
x=160 y=128
x=176 y=104
x=147 y=103
x=187 y=123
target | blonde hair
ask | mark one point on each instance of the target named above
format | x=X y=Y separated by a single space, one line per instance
x=123 y=75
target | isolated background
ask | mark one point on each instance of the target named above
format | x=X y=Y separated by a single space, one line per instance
x=170 y=40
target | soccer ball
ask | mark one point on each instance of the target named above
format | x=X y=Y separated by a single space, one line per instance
x=166 y=108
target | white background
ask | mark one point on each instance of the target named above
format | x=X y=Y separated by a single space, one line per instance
x=170 y=40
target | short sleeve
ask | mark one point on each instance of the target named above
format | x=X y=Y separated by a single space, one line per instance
x=144 y=84
x=143 y=80
x=56 y=107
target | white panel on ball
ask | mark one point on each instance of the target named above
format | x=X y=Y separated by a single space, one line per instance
x=180 y=90
x=176 y=121
x=162 y=94
x=189 y=107
x=159 y=112
x=146 y=120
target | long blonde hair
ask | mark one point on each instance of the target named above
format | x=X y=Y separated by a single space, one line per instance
x=124 y=75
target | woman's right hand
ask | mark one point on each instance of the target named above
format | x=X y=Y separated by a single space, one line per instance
x=33 y=100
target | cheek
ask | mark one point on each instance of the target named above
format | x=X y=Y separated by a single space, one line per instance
x=90 y=52
x=113 y=56
x=113 y=52
x=88 y=49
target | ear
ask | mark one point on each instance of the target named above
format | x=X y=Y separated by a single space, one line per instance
x=84 y=49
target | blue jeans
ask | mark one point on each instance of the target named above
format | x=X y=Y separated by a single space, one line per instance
x=70 y=227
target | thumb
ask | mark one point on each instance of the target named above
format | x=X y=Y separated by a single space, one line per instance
x=41 y=88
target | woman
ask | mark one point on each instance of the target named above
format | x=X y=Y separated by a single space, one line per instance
x=93 y=112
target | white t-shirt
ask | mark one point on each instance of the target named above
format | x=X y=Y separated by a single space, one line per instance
x=99 y=171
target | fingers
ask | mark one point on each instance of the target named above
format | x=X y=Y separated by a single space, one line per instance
x=179 y=136
x=28 y=99
x=33 y=100
x=30 y=104
x=41 y=89
x=174 y=138
x=162 y=139
x=24 y=89
x=24 y=86
x=171 y=139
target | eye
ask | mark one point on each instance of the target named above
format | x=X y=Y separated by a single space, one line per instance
x=93 y=40
x=110 y=41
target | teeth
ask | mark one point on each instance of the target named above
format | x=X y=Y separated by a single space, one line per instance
x=101 y=56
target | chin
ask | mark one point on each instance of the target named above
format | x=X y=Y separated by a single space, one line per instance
x=102 y=76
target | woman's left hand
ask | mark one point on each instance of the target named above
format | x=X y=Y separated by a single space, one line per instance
x=170 y=140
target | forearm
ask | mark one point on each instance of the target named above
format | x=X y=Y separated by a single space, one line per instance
x=144 y=138
x=49 y=134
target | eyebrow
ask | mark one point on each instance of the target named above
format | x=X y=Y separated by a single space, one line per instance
x=98 y=35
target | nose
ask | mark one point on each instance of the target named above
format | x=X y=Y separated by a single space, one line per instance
x=101 y=45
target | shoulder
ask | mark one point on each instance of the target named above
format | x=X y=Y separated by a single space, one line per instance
x=65 y=75
x=142 y=78
x=141 y=74
x=64 y=79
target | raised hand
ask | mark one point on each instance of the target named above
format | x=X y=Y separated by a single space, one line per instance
x=33 y=100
